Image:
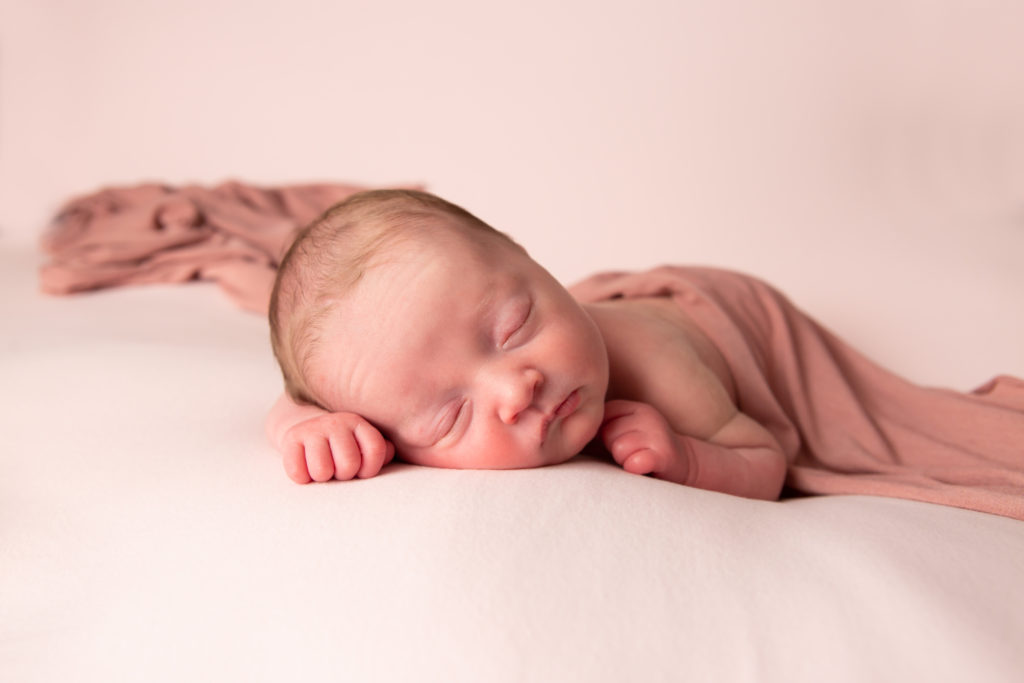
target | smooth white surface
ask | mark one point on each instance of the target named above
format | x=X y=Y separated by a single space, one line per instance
x=150 y=534
x=866 y=157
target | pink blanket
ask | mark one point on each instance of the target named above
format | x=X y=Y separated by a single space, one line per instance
x=233 y=234
x=847 y=425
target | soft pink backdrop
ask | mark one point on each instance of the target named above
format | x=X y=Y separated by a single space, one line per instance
x=866 y=156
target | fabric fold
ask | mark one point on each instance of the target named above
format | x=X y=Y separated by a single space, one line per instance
x=847 y=425
x=233 y=234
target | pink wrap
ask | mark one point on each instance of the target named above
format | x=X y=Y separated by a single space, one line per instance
x=847 y=425
x=233 y=234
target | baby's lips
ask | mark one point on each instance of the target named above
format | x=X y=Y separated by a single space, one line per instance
x=569 y=405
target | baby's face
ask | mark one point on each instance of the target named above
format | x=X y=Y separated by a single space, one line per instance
x=466 y=354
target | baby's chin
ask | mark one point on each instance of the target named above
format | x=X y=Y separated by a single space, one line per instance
x=576 y=436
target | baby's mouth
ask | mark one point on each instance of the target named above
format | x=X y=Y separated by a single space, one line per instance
x=567 y=407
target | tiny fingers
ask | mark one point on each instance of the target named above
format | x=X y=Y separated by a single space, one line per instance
x=615 y=429
x=335 y=446
x=625 y=444
x=374 y=449
x=294 y=461
x=643 y=461
x=618 y=408
x=319 y=459
x=345 y=450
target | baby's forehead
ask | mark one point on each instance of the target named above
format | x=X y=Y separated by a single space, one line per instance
x=433 y=237
x=416 y=284
x=464 y=255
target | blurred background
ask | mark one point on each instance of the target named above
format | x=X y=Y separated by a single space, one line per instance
x=867 y=156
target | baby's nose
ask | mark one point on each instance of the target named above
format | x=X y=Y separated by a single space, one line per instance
x=518 y=394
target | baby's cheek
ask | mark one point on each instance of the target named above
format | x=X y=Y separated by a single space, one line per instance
x=509 y=454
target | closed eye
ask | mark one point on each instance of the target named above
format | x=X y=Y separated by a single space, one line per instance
x=515 y=329
x=452 y=419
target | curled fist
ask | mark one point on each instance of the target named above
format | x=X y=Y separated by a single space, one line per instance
x=642 y=442
x=334 y=446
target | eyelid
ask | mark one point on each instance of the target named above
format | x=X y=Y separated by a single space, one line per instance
x=520 y=323
x=453 y=421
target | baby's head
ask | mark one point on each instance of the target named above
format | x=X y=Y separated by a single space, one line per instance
x=441 y=331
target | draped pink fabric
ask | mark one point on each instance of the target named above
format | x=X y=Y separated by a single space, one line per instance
x=232 y=233
x=848 y=426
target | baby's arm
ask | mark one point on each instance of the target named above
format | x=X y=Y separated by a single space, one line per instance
x=317 y=445
x=683 y=424
x=741 y=457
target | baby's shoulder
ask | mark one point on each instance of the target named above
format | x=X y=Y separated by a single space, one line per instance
x=650 y=338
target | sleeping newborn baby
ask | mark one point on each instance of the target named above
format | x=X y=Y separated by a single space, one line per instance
x=406 y=327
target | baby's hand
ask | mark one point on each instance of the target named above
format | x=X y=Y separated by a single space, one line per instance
x=642 y=442
x=334 y=445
